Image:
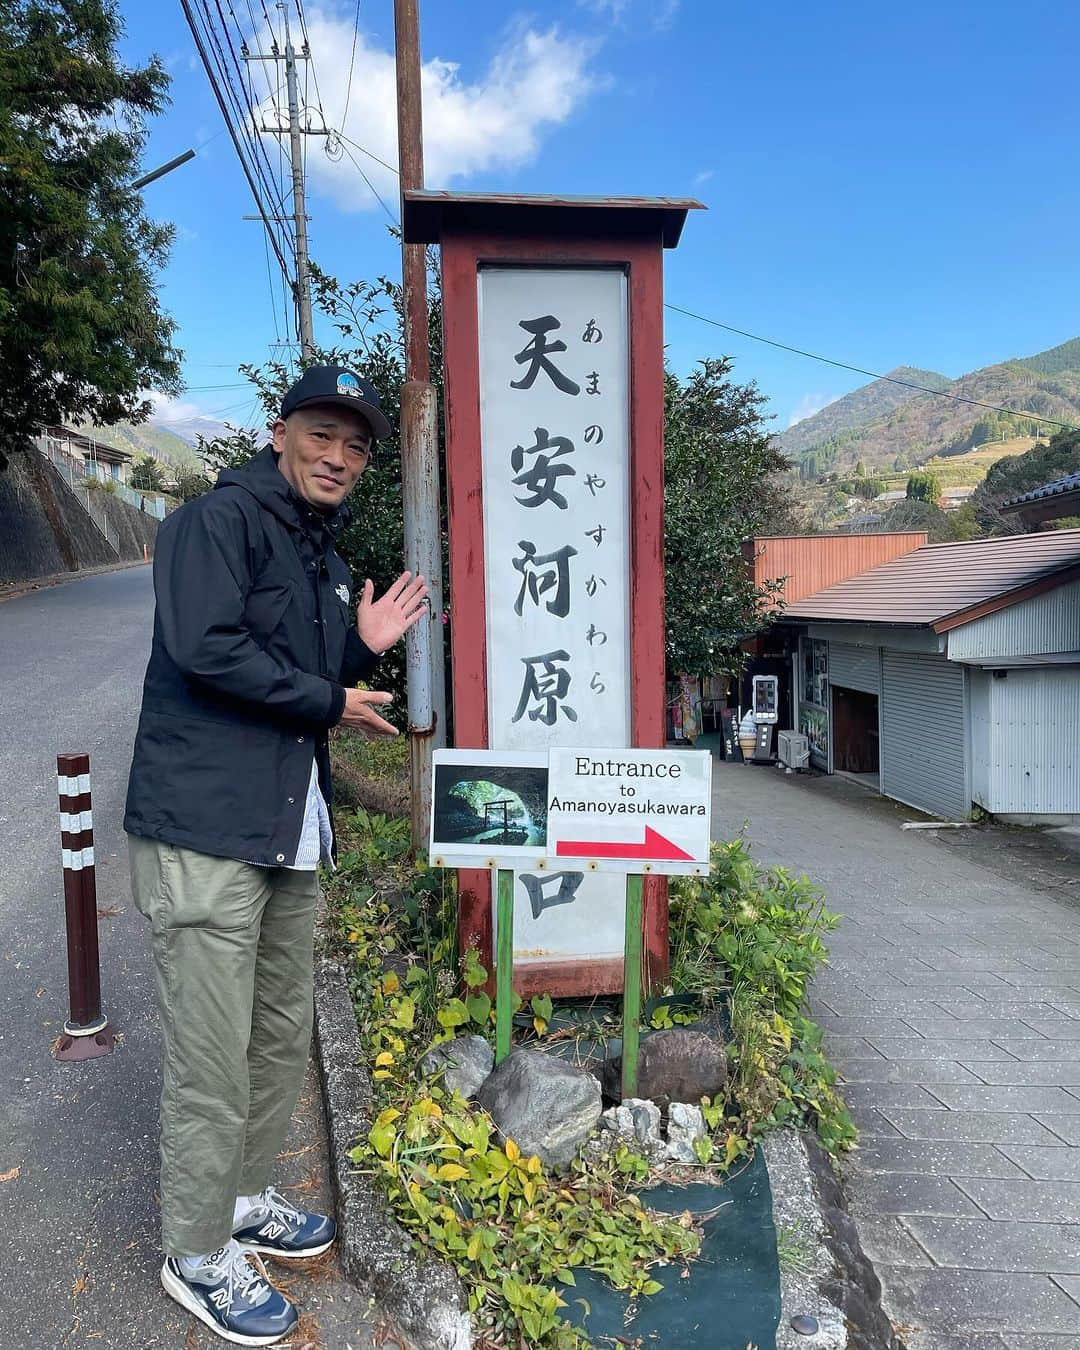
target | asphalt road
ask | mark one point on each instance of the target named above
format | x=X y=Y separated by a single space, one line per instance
x=79 y=1258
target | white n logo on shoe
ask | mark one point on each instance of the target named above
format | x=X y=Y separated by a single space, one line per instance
x=272 y=1230
x=220 y=1298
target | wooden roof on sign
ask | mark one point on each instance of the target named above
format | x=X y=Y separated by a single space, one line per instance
x=428 y=214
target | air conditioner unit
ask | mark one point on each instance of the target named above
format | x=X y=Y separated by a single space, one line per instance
x=793 y=750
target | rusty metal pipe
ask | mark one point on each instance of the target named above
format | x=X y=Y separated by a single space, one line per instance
x=419 y=446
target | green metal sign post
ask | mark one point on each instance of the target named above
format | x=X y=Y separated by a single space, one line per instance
x=632 y=956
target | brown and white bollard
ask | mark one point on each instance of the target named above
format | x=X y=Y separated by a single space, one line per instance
x=87 y=1033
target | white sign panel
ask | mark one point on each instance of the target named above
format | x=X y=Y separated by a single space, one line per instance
x=630 y=810
x=554 y=420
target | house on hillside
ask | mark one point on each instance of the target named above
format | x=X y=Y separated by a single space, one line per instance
x=952 y=498
x=92 y=459
x=949 y=677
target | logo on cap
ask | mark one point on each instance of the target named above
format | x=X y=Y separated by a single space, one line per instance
x=348 y=384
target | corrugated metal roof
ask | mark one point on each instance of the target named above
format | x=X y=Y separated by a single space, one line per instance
x=935 y=584
x=1070 y=483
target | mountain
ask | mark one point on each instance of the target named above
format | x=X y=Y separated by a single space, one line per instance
x=859 y=408
x=171 y=442
x=896 y=431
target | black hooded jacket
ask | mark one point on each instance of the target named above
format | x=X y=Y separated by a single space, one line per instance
x=254 y=642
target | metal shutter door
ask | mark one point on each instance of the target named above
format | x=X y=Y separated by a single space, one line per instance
x=923 y=741
x=854 y=667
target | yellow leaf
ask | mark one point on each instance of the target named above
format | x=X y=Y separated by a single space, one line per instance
x=451 y=1172
x=391 y=984
x=534 y=1165
x=512 y=1151
x=384 y=1058
x=9 y=1176
x=381 y=1073
x=529 y=1188
x=472 y=1251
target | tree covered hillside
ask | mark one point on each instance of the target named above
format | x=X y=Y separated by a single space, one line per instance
x=918 y=427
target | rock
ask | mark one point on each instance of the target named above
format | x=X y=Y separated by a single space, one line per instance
x=466 y=1062
x=673 y=1066
x=685 y=1124
x=547 y=1106
x=636 y=1123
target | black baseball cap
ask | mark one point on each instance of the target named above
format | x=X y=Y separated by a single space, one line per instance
x=335 y=384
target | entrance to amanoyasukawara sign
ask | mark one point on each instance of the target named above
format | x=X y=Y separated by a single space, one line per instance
x=855 y=731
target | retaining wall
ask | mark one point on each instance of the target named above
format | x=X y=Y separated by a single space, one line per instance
x=44 y=530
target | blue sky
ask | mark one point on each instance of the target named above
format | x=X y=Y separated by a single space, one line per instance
x=886 y=185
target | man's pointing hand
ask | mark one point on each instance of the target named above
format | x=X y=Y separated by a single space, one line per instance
x=381 y=623
x=360 y=712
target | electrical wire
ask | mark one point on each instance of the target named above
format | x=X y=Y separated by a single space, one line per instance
x=237 y=145
x=357 y=146
x=371 y=186
x=352 y=62
x=888 y=379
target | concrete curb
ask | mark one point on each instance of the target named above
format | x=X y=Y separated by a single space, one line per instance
x=12 y=590
x=422 y=1296
x=836 y=1282
x=800 y=1223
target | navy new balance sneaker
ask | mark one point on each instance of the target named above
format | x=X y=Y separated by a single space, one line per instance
x=231 y=1293
x=280 y=1229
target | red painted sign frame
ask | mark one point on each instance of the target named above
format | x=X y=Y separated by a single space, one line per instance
x=636 y=247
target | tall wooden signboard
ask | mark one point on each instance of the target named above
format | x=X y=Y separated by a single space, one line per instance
x=553 y=344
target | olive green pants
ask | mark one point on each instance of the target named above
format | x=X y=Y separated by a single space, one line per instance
x=232 y=947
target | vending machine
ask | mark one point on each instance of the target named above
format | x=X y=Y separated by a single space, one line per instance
x=765 y=709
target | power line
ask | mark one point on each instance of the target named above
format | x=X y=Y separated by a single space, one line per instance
x=205 y=58
x=371 y=186
x=357 y=146
x=352 y=62
x=889 y=379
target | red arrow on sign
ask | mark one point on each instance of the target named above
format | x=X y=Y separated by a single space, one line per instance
x=655 y=847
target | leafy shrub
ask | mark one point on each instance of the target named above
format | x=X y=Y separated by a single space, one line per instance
x=757 y=935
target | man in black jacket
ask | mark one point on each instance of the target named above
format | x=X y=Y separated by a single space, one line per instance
x=255 y=655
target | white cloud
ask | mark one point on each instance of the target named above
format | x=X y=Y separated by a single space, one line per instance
x=703 y=176
x=656 y=16
x=535 y=81
x=168 y=409
x=810 y=404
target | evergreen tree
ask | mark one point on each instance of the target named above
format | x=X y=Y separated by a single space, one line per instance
x=719 y=463
x=82 y=333
x=146 y=474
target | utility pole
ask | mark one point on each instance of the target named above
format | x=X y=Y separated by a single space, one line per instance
x=303 y=279
x=419 y=446
x=296 y=131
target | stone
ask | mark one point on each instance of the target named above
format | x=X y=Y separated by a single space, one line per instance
x=465 y=1063
x=545 y=1105
x=685 y=1124
x=635 y=1123
x=673 y=1066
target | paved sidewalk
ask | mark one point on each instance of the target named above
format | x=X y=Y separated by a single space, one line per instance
x=952 y=1006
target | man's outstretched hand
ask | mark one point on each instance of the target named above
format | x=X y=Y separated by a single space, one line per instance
x=383 y=622
x=360 y=705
